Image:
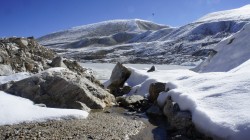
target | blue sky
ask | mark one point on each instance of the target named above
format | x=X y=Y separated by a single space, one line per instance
x=40 y=17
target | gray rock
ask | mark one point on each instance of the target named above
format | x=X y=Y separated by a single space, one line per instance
x=129 y=100
x=58 y=62
x=182 y=120
x=82 y=106
x=155 y=89
x=178 y=119
x=5 y=70
x=118 y=77
x=41 y=105
x=151 y=69
x=1 y=59
x=126 y=90
x=62 y=89
x=154 y=110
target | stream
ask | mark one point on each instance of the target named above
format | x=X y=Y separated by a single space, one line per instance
x=155 y=128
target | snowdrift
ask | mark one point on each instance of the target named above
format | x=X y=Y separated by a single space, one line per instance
x=218 y=101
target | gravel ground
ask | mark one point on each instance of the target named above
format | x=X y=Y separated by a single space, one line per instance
x=99 y=125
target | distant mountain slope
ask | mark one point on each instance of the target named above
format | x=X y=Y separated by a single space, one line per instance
x=234 y=14
x=139 y=41
x=231 y=53
x=117 y=28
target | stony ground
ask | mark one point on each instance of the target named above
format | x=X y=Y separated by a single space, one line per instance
x=99 y=125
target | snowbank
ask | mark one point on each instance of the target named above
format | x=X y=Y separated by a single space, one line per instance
x=231 y=52
x=14 y=77
x=16 y=110
x=218 y=101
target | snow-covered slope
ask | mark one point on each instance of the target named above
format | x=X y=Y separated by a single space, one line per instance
x=218 y=101
x=234 y=14
x=231 y=52
x=97 y=30
x=138 y=41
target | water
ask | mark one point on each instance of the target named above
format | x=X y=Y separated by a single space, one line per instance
x=155 y=127
x=104 y=70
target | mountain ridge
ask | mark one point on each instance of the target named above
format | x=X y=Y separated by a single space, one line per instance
x=151 y=43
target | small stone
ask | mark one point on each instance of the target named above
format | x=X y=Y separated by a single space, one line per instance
x=151 y=69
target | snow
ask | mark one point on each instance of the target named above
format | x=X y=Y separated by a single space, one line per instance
x=14 y=77
x=100 y=29
x=234 y=14
x=165 y=45
x=231 y=52
x=17 y=110
x=218 y=101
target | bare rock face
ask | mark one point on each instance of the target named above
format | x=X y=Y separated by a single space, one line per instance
x=118 y=77
x=155 y=89
x=61 y=88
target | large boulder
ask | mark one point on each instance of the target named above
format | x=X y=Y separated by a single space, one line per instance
x=61 y=88
x=155 y=89
x=118 y=77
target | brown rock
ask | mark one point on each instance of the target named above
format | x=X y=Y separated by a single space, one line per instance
x=155 y=89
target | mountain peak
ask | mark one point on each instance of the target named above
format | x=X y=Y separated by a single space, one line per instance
x=241 y=13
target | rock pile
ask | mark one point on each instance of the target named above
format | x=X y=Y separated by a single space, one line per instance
x=23 y=54
x=180 y=121
x=70 y=86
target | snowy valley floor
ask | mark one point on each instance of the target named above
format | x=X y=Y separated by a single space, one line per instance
x=219 y=102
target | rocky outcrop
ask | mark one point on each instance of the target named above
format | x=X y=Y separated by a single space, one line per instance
x=155 y=89
x=61 y=88
x=118 y=77
x=24 y=54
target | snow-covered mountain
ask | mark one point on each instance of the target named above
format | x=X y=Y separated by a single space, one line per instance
x=231 y=52
x=139 y=41
x=103 y=33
